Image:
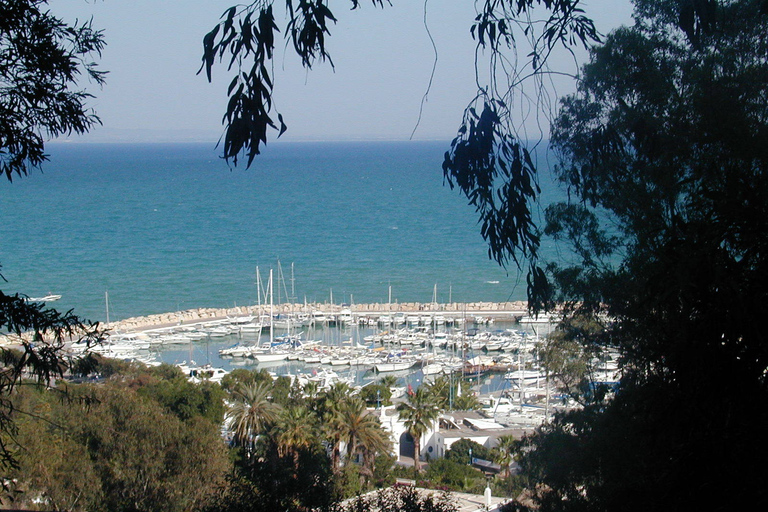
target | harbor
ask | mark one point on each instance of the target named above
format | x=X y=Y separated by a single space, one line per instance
x=491 y=346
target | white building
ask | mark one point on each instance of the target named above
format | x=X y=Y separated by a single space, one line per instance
x=448 y=429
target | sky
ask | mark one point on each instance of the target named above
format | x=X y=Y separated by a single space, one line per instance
x=383 y=61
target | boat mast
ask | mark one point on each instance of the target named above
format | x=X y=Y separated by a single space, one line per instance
x=258 y=291
x=271 y=311
x=106 y=301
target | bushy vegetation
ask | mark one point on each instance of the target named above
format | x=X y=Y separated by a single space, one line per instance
x=109 y=447
x=145 y=439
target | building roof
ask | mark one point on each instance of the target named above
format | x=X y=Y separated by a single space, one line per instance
x=469 y=424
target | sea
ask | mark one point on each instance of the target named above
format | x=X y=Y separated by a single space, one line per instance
x=128 y=230
x=168 y=227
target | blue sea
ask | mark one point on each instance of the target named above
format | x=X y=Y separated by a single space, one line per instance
x=169 y=227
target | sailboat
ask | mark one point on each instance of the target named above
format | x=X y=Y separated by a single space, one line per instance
x=266 y=355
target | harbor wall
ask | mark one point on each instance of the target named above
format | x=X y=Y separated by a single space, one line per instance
x=497 y=310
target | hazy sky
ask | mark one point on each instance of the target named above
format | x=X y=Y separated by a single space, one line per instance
x=383 y=60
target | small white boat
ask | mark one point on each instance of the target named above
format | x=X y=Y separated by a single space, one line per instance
x=48 y=298
x=237 y=351
x=250 y=327
x=345 y=316
x=432 y=369
x=526 y=376
x=494 y=406
x=219 y=332
x=170 y=339
x=397 y=392
x=197 y=374
x=395 y=366
x=268 y=357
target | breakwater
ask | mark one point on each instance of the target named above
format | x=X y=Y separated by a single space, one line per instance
x=509 y=311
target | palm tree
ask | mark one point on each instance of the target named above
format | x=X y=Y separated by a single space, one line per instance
x=505 y=454
x=466 y=402
x=389 y=381
x=418 y=413
x=373 y=440
x=311 y=390
x=251 y=414
x=334 y=397
x=331 y=407
x=441 y=390
x=296 y=432
x=360 y=429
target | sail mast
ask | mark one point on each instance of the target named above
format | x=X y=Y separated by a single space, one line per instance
x=271 y=311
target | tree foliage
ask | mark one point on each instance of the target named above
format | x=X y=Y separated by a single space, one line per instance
x=419 y=413
x=42 y=63
x=119 y=451
x=451 y=393
x=570 y=355
x=459 y=451
x=251 y=414
x=454 y=476
x=664 y=150
x=41 y=335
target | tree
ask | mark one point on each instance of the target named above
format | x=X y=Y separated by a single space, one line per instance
x=460 y=450
x=664 y=148
x=41 y=335
x=362 y=432
x=453 y=393
x=419 y=413
x=455 y=476
x=331 y=406
x=52 y=465
x=251 y=414
x=504 y=453
x=296 y=433
x=238 y=376
x=184 y=398
x=118 y=452
x=568 y=352
x=374 y=443
x=42 y=62
x=376 y=395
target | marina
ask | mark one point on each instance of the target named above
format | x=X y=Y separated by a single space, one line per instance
x=488 y=348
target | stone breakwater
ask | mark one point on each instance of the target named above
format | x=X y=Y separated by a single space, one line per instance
x=497 y=310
